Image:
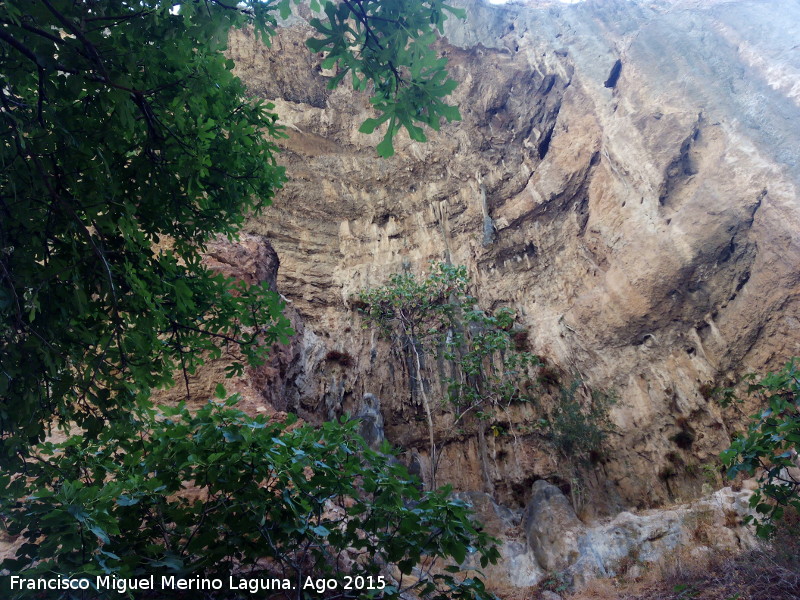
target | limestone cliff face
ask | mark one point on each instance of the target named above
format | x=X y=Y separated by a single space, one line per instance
x=640 y=167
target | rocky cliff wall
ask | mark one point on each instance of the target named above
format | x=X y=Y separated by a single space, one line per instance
x=639 y=164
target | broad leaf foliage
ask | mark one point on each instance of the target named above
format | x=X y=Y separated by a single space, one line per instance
x=768 y=449
x=126 y=146
x=219 y=493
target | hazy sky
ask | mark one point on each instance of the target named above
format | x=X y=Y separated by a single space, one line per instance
x=562 y=1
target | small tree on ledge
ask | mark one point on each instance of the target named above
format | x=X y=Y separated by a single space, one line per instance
x=436 y=316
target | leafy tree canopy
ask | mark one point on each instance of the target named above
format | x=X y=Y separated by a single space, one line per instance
x=126 y=145
x=267 y=499
x=768 y=449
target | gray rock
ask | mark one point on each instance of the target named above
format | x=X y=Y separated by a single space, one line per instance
x=495 y=518
x=371 y=426
x=552 y=528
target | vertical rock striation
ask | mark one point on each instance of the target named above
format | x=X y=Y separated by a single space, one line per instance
x=625 y=177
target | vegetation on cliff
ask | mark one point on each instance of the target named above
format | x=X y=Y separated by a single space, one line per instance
x=768 y=449
x=434 y=318
x=127 y=146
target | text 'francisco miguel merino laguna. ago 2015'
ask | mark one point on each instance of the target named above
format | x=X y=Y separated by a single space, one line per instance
x=173 y=582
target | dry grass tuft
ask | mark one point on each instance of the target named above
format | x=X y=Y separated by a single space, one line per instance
x=753 y=576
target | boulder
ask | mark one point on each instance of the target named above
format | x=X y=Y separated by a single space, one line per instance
x=552 y=528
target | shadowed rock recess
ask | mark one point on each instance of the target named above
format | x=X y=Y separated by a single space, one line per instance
x=640 y=167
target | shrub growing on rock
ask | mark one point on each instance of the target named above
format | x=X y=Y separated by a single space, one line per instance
x=216 y=493
x=768 y=448
x=579 y=429
x=436 y=316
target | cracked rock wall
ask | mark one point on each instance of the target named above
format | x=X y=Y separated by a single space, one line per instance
x=639 y=163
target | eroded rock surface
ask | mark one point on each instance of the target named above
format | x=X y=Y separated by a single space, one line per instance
x=552 y=528
x=637 y=164
x=547 y=538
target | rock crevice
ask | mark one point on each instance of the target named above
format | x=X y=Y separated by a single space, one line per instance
x=641 y=217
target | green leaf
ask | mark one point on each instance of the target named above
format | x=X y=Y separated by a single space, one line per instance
x=459 y=13
x=100 y=533
x=386 y=147
x=230 y=436
x=451 y=113
x=458 y=552
x=369 y=125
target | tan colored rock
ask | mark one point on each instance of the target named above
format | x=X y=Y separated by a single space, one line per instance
x=711 y=525
x=646 y=223
x=548 y=538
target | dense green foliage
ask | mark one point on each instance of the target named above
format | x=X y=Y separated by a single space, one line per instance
x=769 y=447
x=313 y=502
x=117 y=135
x=126 y=146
